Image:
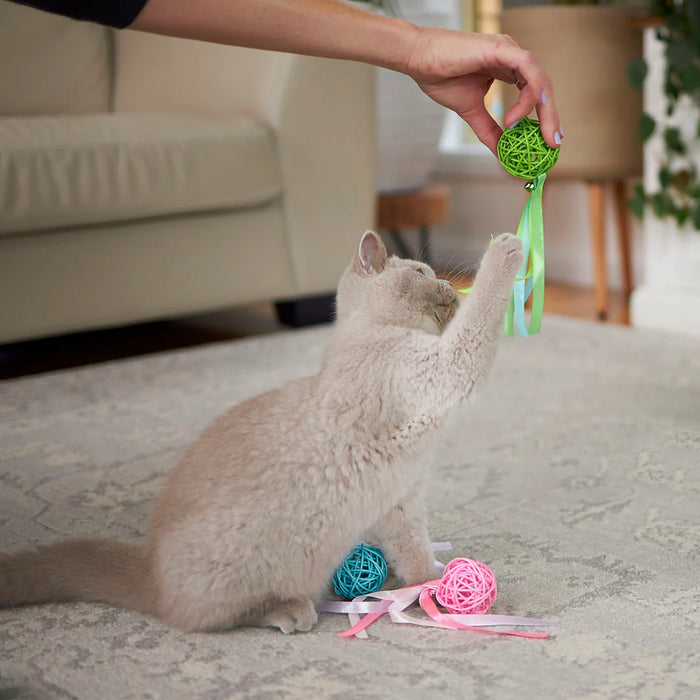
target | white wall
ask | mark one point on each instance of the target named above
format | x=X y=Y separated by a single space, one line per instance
x=670 y=297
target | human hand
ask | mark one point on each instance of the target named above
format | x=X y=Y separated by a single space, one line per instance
x=456 y=69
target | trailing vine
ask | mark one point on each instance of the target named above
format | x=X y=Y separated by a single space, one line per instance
x=678 y=195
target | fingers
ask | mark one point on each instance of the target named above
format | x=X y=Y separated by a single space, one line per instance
x=546 y=113
x=535 y=93
x=484 y=126
x=549 y=118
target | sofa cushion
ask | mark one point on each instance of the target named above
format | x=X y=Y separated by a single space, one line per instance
x=51 y=64
x=85 y=169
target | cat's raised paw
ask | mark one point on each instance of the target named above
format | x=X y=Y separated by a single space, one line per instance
x=507 y=250
x=295 y=616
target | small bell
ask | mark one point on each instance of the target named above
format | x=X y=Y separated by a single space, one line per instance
x=530 y=186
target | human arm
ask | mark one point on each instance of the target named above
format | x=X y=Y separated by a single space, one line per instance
x=455 y=69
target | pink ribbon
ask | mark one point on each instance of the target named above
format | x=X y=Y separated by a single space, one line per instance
x=395 y=602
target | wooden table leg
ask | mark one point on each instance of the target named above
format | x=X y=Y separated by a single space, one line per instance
x=419 y=209
x=400 y=244
x=596 y=203
x=623 y=235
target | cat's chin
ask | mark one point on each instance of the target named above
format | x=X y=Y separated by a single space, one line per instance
x=436 y=324
x=433 y=326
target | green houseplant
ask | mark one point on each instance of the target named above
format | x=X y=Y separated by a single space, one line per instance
x=677 y=193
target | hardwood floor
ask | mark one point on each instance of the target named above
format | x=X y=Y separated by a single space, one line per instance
x=579 y=302
x=33 y=357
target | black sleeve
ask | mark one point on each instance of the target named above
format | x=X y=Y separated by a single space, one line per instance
x=112 y=13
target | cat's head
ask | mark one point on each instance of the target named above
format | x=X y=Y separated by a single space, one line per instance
x=393 y=291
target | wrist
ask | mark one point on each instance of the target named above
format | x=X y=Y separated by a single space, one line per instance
x=394 y=44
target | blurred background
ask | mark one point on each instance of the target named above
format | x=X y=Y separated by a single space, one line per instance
x=159 y=193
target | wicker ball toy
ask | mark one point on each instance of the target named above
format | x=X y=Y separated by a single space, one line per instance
x=363 y=571
x=523 y=152
x=467 y=586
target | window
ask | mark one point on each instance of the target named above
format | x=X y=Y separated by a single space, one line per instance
x=460 y=150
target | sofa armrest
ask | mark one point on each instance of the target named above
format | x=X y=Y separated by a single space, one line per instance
x=324 y=121
x=320 y=110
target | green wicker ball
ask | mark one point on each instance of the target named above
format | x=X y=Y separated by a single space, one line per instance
x=523 y=152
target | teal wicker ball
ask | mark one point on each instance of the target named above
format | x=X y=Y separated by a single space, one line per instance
x=363 y=571
x=523 y=152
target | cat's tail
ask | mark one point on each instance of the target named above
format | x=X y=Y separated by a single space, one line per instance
x=99 y=570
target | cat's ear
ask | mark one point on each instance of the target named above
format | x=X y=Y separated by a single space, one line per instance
x=371 y=254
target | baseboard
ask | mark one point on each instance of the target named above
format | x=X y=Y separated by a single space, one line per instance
x=667 y=309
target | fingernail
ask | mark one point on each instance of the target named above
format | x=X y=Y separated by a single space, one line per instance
x=557 y=138
x=561 y=131
x=514 y=124
x=543 y=98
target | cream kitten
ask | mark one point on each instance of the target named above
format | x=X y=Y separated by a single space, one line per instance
x=274 y=494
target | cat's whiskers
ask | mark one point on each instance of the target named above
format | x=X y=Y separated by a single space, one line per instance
x=457 y=275
x=449 y=265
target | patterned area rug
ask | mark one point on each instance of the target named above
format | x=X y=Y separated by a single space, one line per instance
x=574 y=476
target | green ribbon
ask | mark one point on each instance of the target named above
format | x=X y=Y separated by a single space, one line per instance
x=530 y=277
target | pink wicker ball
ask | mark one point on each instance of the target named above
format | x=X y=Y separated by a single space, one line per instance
x=467 y=587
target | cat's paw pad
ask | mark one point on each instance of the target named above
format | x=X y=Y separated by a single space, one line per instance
x=507 y=250
x=296 y=616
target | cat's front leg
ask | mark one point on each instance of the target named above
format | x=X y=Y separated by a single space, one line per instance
x=403 y=538
x=483 y=311
x=468 y=346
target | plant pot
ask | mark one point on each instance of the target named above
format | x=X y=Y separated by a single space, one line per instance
x=409 y=123
x=586 y=51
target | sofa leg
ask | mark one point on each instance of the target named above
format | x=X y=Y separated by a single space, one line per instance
x=306 y=311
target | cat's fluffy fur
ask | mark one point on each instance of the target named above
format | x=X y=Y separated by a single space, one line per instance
x=273 y=495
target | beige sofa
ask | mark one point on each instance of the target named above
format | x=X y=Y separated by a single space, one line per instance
x=144 y=177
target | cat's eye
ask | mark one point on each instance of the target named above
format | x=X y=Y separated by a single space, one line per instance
x=420 y=270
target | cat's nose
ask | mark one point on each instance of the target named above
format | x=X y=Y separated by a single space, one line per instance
x=449 y=291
